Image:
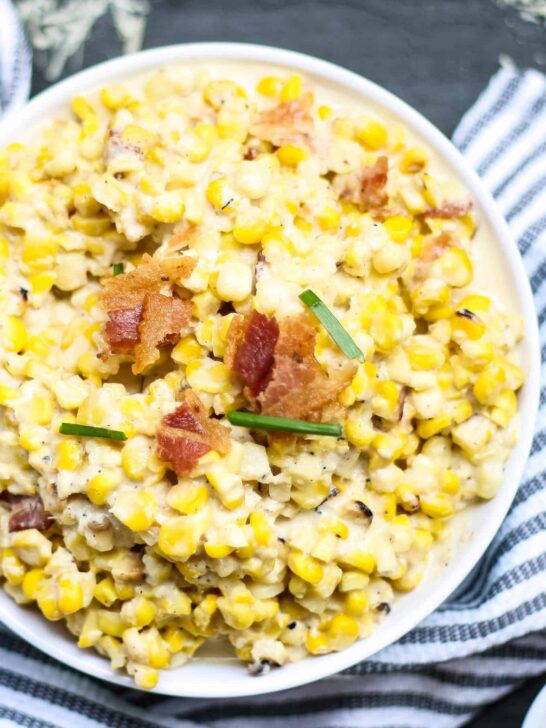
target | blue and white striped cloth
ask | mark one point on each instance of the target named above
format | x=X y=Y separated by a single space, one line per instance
x=15 y=60
x=439 y=674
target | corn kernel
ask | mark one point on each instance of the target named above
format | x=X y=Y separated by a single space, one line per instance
x=373 y=135
x=356 y=602
x=269 y=86
x=291 y=89
x=135 y=509
x=105 y=592
x=101 y=485
x=70 y=598
x=413 y=161
x=438 y=505
x=431 y=427
x=15 y=336
x=31 y=582
x=188 y=497
x=291 y=156
x=69 y=454
x=306 y=567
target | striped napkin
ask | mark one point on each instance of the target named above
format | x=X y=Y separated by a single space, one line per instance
x=15 y=61
x=478 y=645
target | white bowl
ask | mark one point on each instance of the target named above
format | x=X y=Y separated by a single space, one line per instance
x=213 y=677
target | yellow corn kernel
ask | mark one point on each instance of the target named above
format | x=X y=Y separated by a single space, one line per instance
x=187 y=350
x=105 y=591
x=178 y=537
x=140 y=137
x=437 y=505
x=456 y=267
x=144 y=611
x=260 y=526
x=111 y=623
x=13 y=568
x=468 y=323
x=462 y=411
x=125 y=591
x=218 y=193
x=4 y=250
x=423 y=538
x=356 y=602
x=291 y=156
x=353 y=580
x=188 y=497
x=362 y=560
x=291 y=89
x=136 y=509
x=99 y=225
x=31 y=437
x=15 y=337
x=424 y=356
x=168 y=207
x=329 y=218
x=219 y=91
x=31 y=582
x=489 y=384
x=47 y=603
x=359 y=433
x=82 y=108
x=386 y=399
x=218 y=551
x=317 y=644
x=39 y=253
x=433 y=426
x=70 y=593
x=134 y=459
x=146 y=677
x=324 y=112
x=450 y=482
x=69 y=454
x=248 y=233
x=389 y=447
x=413 y=161
x=506 y=405
x=101 y=485
x=398 y=228
x=306 y=567
x=7 y=394
x=41 y=283
x=476 y=303
x=373 y=135
x=269 y=86
x=115 y=96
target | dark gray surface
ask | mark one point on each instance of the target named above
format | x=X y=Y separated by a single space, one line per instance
x=436 y=54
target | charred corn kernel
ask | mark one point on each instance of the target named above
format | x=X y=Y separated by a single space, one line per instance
x=431 y=427
x=269 y=86
x=450 y=482
x=291 y=156
x=135 y=509
x=467 y=323
x=359 y=433
x=414 y=160
x=186 y=350
x=41 y=283
x=219 y=193
x=398 y=228
x=456 y=268
x=489 y=384
x=306 y=567
x=218 y=551
x=7 y=394
x=69 y=454
x=329 y=218
x=373 y=134
x=356 y=602
x=168 y=207
x=260 y=526
x=291 y=89
x=15 y=337
x=437 y=505
x=70 y=595
x=111 y=623
x=105 y=591
x=188 y=497
x=101 y=485
x=134 y=459
x=31 y=582
x=362 y=560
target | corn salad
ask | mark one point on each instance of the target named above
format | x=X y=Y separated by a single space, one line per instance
x=285 y=546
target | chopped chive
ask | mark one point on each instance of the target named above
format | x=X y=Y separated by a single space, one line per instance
x=283 y=424
x=68 y=428
x=336 y=331
x=118 y=268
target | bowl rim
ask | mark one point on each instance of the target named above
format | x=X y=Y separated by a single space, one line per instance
x=44 y=106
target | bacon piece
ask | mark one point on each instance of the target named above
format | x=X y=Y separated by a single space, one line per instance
x=288 y=123
x=449 y=210
x=188 y=433
x=251 y=342
x=367 y=188
x=164 y=320
x=299 y=387
x=278 y=365
x=121 y=332
x=27 y=511
x=129 y=290
x=437 y=247
x=182 y=239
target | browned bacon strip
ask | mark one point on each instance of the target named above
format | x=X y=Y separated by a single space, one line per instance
x=27 y=511
x=288 y=123
x=251 y=343
x=121 y=332
x=449 y=210
x=188 y=433
x=367 y=188
x=164 y=320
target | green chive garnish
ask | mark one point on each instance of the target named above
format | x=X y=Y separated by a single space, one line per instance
x=118 y=268
x=283 y=424
x=67 y=428
x=336 y=331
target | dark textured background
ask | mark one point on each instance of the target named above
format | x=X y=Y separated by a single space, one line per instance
x=436 y=54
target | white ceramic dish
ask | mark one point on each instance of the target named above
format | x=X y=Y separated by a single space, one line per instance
x=226 y=678
x=536 y=717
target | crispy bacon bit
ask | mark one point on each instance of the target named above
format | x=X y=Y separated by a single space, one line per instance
x=128 y=290
x=121 y=332
x=251 y=342
x=449 y=210
x=367 y=188
x=164 y=320
x=182 y=240
x=188 y=433
x=288 y=123
x=278 y=365
x=438 y=246
x=27 y=511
